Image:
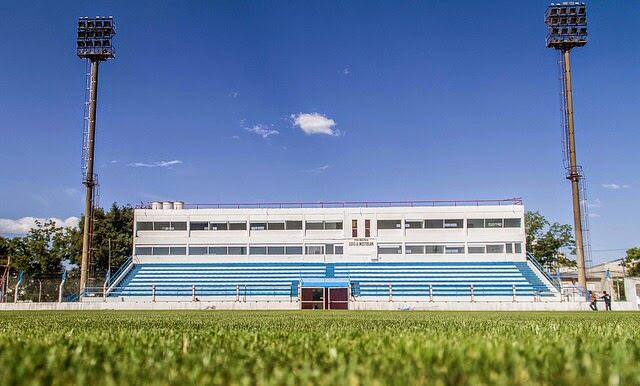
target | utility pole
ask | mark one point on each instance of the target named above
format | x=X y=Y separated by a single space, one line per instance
x=567 y=24
x=94 y=43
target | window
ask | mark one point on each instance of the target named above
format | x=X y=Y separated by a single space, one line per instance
x=495 y=248
x=367 y=228
x=333 y=225
x=237 y=226
x=217 y=250
x=162 y=226
x=389 y=224
x=517 y=247
x=433 y=249
x=434 y=224
x=293 y=249
x=293 y=225
x=144 y=251
x=219 y=226
x=275 y=226
x=354 y=228
x=389 y=249
x=276 y=250
x=199 y=226
x=315 y=225
x=475 y=223
x=257 y=250
x=476 y=249
x=328 y=249
x=339 y=250
x=258 y=226
x=509 y=248
x=453 y=250
x=413 y=224
x=144 y=226
x=160 y=251
x=197 y=251
x=177 y=251
x=453 y=223
x=237 y=250
x=493 y=223
x=414 y=249
x=512 y=223
x=179 y=226
x=314 y=249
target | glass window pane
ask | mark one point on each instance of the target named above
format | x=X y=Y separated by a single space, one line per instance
x=453 y=250
x=512 y=223
x=509 y=248
x=257 y=250
x=493 y=223
x=178 y=251
x=144 y=251
x=333 y=225
x=144 y=226
x=433 y=249
x=237 y=226
x=294 y=225
x=476 y=249
x=237 y=250
x=161 y=226
x=314 y=250
x=277 y=250
x=389 y=224
x=199 y=226
x=413 y=224
x=495 y=248
x=433 y=224
x=161 y=251
x=218 y=226
x=475 y=223
x=518 y=247
x=217 y=250
x=179 y=225
x=328 y=249
x=275 y=226
x=389 y=249
x=339 y=249
x=293 y=250
x=258 y=226
x=414 y=249
x=453 y=223
x=198 y=251
x=314 y=225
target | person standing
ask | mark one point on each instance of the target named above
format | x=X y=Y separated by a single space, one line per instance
x=593 y=301
x=607 y=300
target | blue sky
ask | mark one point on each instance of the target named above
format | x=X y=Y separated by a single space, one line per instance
x=300 y=101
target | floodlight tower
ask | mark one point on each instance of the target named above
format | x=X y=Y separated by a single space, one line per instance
x=567 y=24
x=94 y=44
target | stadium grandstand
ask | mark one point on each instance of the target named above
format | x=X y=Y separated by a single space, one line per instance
x=331 y=255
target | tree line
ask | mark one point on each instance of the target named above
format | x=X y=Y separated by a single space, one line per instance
x=47 y=250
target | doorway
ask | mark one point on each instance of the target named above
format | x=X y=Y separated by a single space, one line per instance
x=318 y=298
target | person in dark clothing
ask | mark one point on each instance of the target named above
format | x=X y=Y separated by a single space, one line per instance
x=607 y=300
x=593 y=301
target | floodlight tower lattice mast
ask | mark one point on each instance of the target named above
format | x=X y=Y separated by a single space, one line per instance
x=94 y=44
x=567 y=23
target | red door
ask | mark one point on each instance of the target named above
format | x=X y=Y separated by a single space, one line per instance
x=336 y=299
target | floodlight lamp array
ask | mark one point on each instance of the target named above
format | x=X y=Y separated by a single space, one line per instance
x=95 y=36
x=567 y=24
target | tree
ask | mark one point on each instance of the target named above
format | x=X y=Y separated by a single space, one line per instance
x=549 y=243
x=632 y=261
x=39 y=251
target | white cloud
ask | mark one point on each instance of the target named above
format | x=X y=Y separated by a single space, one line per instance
x=262 y=130
x=233 y=94
x=346 y=71
x=235 y=137
x=70 y=191
x=594 y=215
x=594 y=204
x=22 y=225
x=615 y=186
x=320 y=169
x=315 y=123
x=157 y=164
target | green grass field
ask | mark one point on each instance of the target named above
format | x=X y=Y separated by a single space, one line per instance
x=224 y=347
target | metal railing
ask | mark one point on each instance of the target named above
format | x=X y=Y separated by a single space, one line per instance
x=536 y=263
x=352 y=204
